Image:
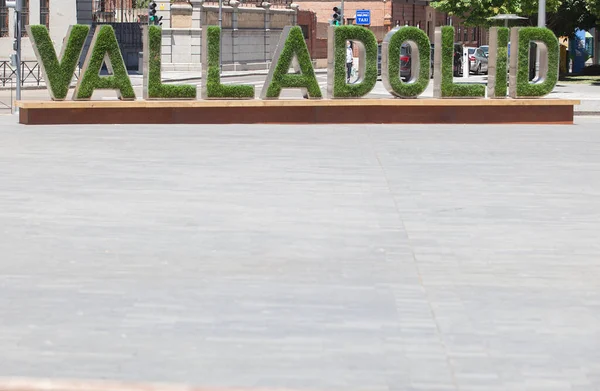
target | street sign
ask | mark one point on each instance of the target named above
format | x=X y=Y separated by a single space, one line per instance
x=363 y=17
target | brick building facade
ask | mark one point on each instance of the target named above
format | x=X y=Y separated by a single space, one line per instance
x=381 y=14
x=385 y=15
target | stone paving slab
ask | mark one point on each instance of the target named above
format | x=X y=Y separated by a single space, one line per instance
x=303 y=257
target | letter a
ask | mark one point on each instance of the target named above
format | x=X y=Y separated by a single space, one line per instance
x=291 y=47
x=104 y=49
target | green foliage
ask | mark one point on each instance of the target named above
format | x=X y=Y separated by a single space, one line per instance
x=501 y=62
x=403 y=34
x=524 y=87
x=140 y=3
x=571 y=15
x=477 y=12
x=104 y=44
x=449 y=88
x=58 y=73
x=214 y=88
x=341 y=89
x=155 y=87
x=594 y=7
x=294 y=45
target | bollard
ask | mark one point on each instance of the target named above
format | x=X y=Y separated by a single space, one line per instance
x=466 y=65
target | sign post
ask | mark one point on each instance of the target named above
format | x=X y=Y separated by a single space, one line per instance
x=17 y=5
x=363 y=17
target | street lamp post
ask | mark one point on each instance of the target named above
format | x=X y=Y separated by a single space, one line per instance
x=17 y=5
x=221 y=33
x=542 y=14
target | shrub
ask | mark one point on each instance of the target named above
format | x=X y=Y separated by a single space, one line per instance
x=58 y=73
x=155 y=89
x=450 y=89
x=211 y=70
x=340 y=35
x=523 y=87
x=497 y=82
x=391 y=51
x=291 y=43
x=104 y=43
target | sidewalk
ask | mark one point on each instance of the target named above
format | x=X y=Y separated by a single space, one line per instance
x=167 y=77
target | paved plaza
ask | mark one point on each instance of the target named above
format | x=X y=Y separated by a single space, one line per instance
x=321 y=258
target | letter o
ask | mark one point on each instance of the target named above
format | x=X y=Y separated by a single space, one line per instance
x=420 y=62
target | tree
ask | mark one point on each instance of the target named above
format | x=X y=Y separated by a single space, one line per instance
x=571 y=15
x=477 y=12
x=594 y=7
x=563 y=16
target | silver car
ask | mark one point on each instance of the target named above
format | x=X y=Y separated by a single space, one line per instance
x=479 y=60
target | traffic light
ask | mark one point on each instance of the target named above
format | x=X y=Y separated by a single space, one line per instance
x=152 y=13
x=337 y=16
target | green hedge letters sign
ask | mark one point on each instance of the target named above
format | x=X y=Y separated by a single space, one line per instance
x=293 y=52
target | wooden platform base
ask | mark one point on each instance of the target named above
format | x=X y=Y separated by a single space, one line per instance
x=356 y=111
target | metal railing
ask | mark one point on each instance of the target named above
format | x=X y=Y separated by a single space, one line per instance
x=119 y=11
x=31 y=73
x=10 y=105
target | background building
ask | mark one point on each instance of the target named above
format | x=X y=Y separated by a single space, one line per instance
x=56 y=15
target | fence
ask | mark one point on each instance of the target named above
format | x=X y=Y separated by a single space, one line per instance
x=120 y=11
x=31 y=73
x=4 y=105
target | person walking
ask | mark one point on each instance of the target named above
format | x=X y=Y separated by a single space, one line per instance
x=349 y=60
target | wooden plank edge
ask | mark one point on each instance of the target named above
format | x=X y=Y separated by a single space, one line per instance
x=297 y=103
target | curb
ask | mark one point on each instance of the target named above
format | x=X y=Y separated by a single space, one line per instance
x=586 y=113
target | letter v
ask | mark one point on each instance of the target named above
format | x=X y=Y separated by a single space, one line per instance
x=58 y=73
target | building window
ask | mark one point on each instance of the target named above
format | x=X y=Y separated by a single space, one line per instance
x=304 y=28
x=3 y=19
x=45 y=13
x=466 y=33
x=24 y=18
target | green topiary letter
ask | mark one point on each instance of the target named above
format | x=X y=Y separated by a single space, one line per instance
x=497 y=62
x=443 y=83
x=211 y=70
x=58 y=73
x=520 y=87
x=336 y=69
x=291 y=45
x=153 y=86
x=104 y=49
x=420 y=62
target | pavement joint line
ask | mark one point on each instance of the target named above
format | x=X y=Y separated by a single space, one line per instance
x=24 y=384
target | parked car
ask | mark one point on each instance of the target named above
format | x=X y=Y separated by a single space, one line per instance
x=405 y=62
x=479 y=60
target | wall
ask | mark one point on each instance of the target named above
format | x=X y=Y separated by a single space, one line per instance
x=307 y=20
x=59 y=24
x=249 y=38
x=381 y=14
x=419 y=13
